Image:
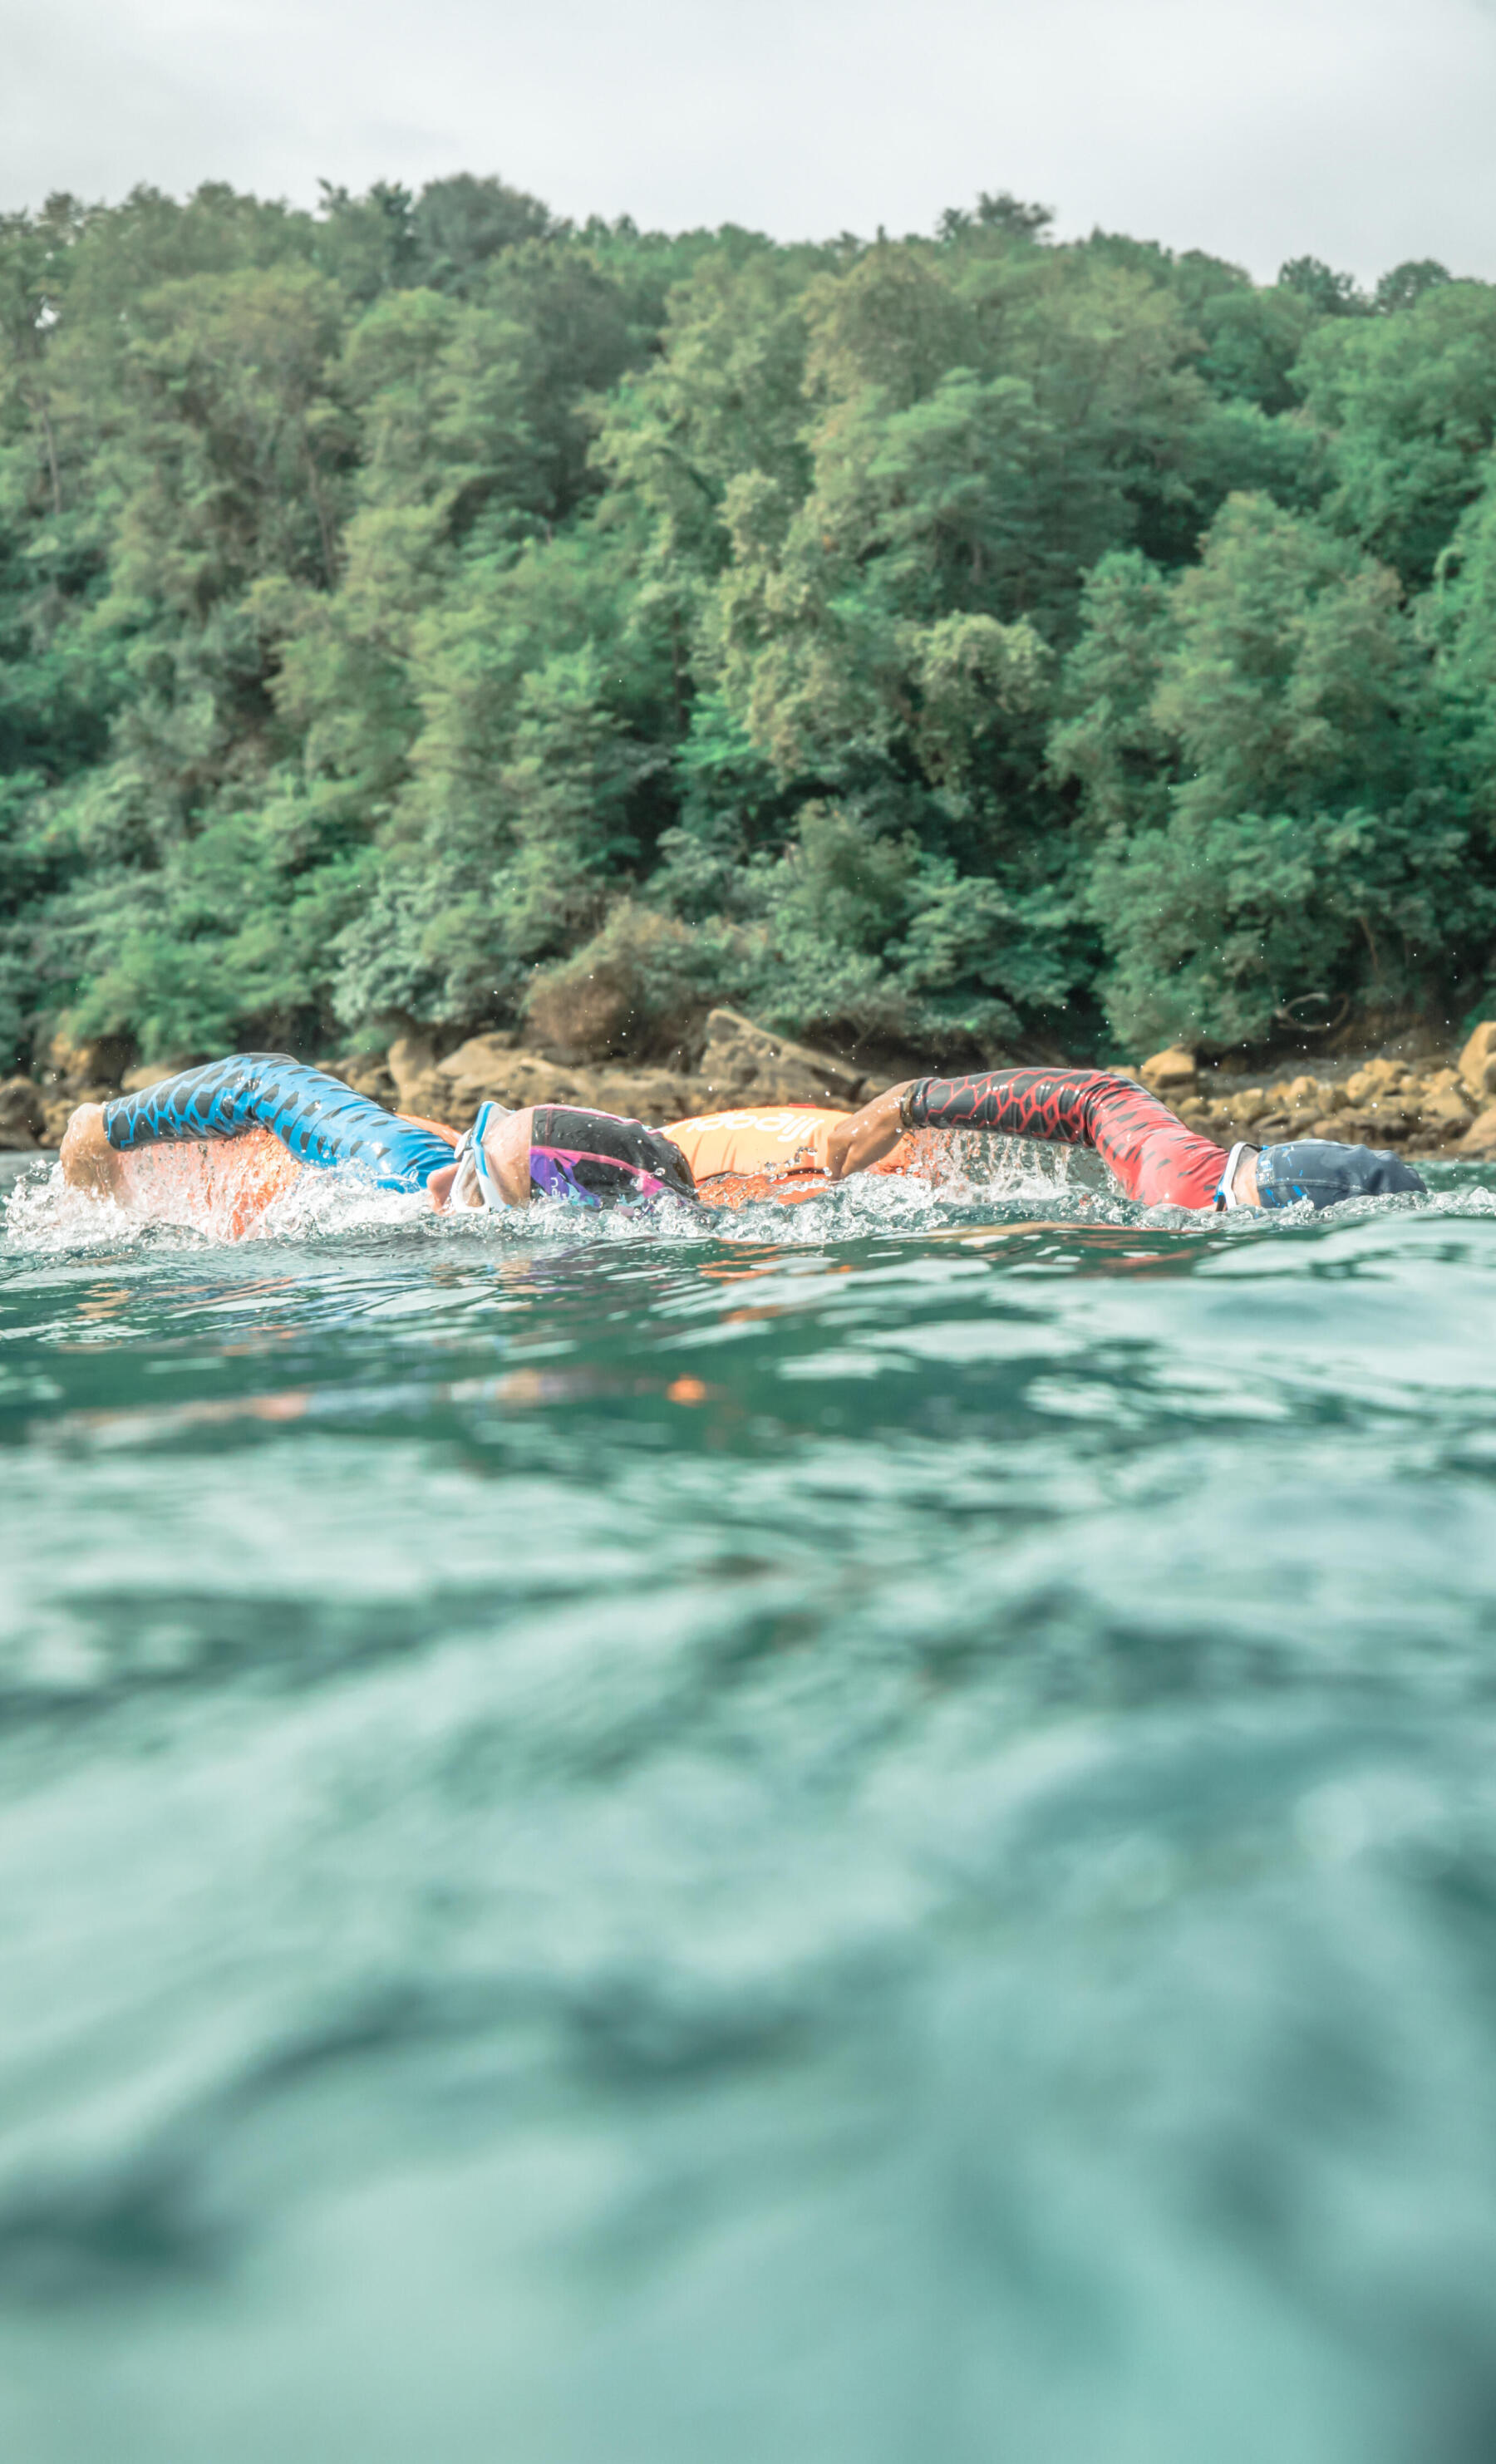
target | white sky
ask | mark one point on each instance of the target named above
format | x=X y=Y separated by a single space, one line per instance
x=1362 y=131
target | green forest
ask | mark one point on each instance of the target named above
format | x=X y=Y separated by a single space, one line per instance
x=418 y=606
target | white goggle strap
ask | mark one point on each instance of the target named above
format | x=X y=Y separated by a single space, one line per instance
x=1225 y=1192
x=473 y=1164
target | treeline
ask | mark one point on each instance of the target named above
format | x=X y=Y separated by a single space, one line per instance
x=420 y=603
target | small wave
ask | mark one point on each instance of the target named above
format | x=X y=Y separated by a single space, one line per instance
x=46 y=1217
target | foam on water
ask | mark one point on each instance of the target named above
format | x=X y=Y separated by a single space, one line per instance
x=963 y=1171
x=961 y=1178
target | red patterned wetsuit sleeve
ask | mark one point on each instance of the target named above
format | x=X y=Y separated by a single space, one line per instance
x=1154 y=1156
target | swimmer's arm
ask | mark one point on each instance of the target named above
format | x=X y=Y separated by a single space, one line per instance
x=317 y=1118
x=88 y=1160
x=1083 y=1108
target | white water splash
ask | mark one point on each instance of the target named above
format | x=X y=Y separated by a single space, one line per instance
x=960 y=1179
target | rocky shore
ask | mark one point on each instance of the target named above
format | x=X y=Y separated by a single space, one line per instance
x=1424 y=1102
x=738 y=1063
x=1432 y=1103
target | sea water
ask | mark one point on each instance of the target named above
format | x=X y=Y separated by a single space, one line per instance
x=854 y=1835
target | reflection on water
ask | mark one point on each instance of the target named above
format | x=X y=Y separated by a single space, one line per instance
x=866 y=1834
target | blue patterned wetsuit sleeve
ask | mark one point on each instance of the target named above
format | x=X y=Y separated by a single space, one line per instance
x=320 y=1120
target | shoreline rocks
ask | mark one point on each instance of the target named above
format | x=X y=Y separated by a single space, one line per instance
x=1174 y=1071
x=1445 y=1105
x=1437 y=1107
x=741 y=1064
x=1477 y=1062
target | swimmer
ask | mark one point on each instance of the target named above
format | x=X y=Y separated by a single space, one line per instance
x=162 y=1150
x=1155 y=1158
x=216 y=1146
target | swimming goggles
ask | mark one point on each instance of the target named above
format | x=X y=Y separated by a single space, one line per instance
x=475 y=1184
x=1226 y=1200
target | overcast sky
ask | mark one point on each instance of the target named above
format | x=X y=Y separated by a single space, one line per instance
x=1362 y=131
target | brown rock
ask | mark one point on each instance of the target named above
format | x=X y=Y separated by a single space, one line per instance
x=410 y=1068
x=481 y=1061
x=430 y=1098
x=411 y=1062
x=1446 y=1111
x=1480 y=1138
x=79 y=1069
x=1306 y=1095
x=744 y=1064
x=23 y=1115
x=1305 y=1100
x=58 y=1111
x=484 y=1069
x=1173 y=1067
x=1478 y=1060
x=1376 y=1125
x=1374 y=1078
x=368 y=1076
x=651 y=1095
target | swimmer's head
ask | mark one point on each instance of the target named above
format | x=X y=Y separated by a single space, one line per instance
x=559 y=1150
x=1324 y=1173
x=597 y=1159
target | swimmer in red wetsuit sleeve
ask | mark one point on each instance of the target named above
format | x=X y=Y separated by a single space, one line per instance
x=1150 y=1152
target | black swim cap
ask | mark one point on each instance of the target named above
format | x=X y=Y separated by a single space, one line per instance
x=1325 y=1171
x=599 y=1159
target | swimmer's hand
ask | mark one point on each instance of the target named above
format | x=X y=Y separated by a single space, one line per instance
x=88 y=1160
x=866 y=1137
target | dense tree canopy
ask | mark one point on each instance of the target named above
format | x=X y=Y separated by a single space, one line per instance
x=954 y=639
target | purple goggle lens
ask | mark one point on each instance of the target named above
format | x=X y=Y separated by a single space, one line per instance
x=554 y=1171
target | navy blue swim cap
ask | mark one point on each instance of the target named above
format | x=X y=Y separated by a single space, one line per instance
x=1325 y=1171
x=597 y=1157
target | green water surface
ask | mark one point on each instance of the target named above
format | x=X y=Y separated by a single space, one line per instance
x=872 y=1841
